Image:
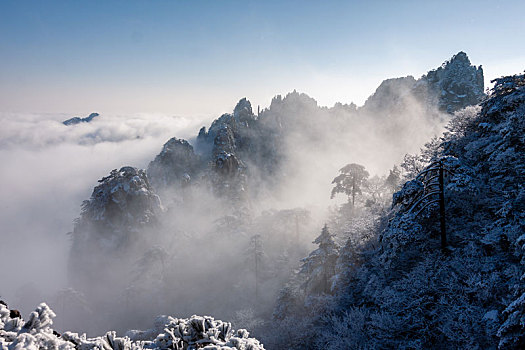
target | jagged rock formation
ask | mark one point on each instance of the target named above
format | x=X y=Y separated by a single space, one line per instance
x=196 y=332
x=236 y=126
x=121 y=208
x=77 y=120
x=242 y=148
x=456 y=84
x=122 y=203
x=451 y=87
x=175 y=166
x=229 y=140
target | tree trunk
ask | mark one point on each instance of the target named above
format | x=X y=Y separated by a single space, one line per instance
x=442 y=208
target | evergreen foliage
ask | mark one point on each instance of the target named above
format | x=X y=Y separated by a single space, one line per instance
x=351 y=181
x=319 y=266
x=399 y=290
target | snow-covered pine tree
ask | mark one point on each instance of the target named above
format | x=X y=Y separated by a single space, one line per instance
x=319 y=266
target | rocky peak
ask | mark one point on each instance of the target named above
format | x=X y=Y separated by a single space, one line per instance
x=173 y=164
x=224 y=141
x=228 y=167
x=124 y=200
x=456 y=84
x=243 y=110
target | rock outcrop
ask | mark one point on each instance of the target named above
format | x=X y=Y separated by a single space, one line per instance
x=78 y=120
x=456 y=84
x=176 y=165
x=451 y=87
x=122 y=208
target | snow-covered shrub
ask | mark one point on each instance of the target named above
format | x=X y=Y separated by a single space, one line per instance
x=196 y=332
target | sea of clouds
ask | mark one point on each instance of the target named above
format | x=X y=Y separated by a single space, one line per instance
x=47 y=170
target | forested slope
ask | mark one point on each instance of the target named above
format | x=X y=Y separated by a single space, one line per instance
x=400 y=288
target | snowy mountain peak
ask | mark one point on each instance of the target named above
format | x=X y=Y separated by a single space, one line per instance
x=456 y=84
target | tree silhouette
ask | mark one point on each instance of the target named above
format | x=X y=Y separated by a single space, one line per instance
x=352 y=178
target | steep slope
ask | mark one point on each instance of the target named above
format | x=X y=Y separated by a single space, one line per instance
x=407 y=292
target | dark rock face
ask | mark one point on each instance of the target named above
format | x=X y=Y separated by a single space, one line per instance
x=226 y=146
x=451 y=87
x=77 y=120
x=456 y=84
x=14 y=314
x=243 y=111
x=224 y=141
x=176 y=163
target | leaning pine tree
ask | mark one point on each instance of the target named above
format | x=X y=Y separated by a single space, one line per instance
x=319 y=266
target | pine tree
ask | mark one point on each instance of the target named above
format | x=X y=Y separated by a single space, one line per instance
x=319 y=266
x=352 y=178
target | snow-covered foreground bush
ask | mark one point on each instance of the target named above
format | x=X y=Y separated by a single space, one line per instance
x=196 y=332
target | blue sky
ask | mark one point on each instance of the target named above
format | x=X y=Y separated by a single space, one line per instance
x=199 y=57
